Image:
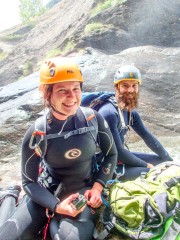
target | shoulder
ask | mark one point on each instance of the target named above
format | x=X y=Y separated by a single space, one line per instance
x=135 y=119
x=38 y=125
x=108 y=109
x=28 y=133
x=135 y=114
x=109 y=112
x=90 y=113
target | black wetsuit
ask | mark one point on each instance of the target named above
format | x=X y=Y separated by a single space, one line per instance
x=69 y=161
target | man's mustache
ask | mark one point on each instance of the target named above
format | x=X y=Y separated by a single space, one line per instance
x=129 y=99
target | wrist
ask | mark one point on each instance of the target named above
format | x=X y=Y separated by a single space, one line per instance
x=98 y=187
x=56 y=206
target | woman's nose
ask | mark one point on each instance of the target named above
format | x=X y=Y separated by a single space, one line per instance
x=70 y=93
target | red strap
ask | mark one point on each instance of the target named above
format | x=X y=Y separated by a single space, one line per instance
x=41 y=169
x=46 y=228
x=39 y=133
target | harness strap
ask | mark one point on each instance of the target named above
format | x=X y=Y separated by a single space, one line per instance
x=108 y=227
x=91 y=121
x=69 y=134
x=84 y=116
x=123 y=125
x=171 y=182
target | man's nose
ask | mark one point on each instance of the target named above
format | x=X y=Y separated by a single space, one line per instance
x=130 y=89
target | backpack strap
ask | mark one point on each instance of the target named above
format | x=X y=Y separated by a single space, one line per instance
x=91 y=121
x=107 y=229
x=85 y=122
x=171 y=182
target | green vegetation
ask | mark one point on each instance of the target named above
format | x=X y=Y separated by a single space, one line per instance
x=26 y=69
x=2 y=56
x=11 y=37
x=96 y=27
x=68 y=47
x=105 y=5
x=29 y=10
x=53 y=53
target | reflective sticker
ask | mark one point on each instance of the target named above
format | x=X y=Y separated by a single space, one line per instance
x=72 y=154
x=131 y=74
x=52 y=72
x=105 y=124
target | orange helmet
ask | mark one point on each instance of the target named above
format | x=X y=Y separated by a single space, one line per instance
x=60 y=69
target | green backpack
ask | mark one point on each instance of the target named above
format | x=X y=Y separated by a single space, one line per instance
x=140 y=209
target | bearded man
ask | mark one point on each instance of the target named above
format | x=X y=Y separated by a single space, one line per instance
x=123 y=117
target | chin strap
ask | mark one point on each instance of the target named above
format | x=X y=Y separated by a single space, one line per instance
x=55 y=110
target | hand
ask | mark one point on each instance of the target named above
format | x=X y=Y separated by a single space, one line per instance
x=149 y=165
x=66 y=207
x=94 y=195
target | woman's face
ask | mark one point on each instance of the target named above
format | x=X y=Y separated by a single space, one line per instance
x=66 y=98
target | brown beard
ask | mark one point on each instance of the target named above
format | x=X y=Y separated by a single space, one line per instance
x=130 y=103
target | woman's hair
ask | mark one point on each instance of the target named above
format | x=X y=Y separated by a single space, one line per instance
x=46 y=91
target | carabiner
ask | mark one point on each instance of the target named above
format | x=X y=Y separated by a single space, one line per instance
x=41 y=134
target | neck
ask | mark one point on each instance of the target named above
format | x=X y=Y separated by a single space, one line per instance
x=58 y=115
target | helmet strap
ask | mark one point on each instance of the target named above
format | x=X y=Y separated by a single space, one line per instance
x=55 y=110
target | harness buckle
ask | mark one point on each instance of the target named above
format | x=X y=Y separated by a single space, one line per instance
x=171 y=182
x=109 y=226
x=143 y=175
x=81 y=130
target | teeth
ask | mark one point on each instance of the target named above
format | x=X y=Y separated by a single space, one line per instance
x=70 y=104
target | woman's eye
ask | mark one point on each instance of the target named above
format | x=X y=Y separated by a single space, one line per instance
x=61 y=90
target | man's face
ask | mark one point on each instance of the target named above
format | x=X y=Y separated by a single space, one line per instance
x=127 y=94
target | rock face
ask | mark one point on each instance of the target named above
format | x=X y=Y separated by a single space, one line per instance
x=142 y=32
x=71 y=25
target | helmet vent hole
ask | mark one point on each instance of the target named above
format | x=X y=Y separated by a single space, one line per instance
x=52 y=72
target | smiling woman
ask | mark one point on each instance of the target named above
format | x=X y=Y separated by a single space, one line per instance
x=72 y=133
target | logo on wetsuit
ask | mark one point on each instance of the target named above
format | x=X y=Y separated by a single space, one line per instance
x=72 y=154
x=107 y=170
